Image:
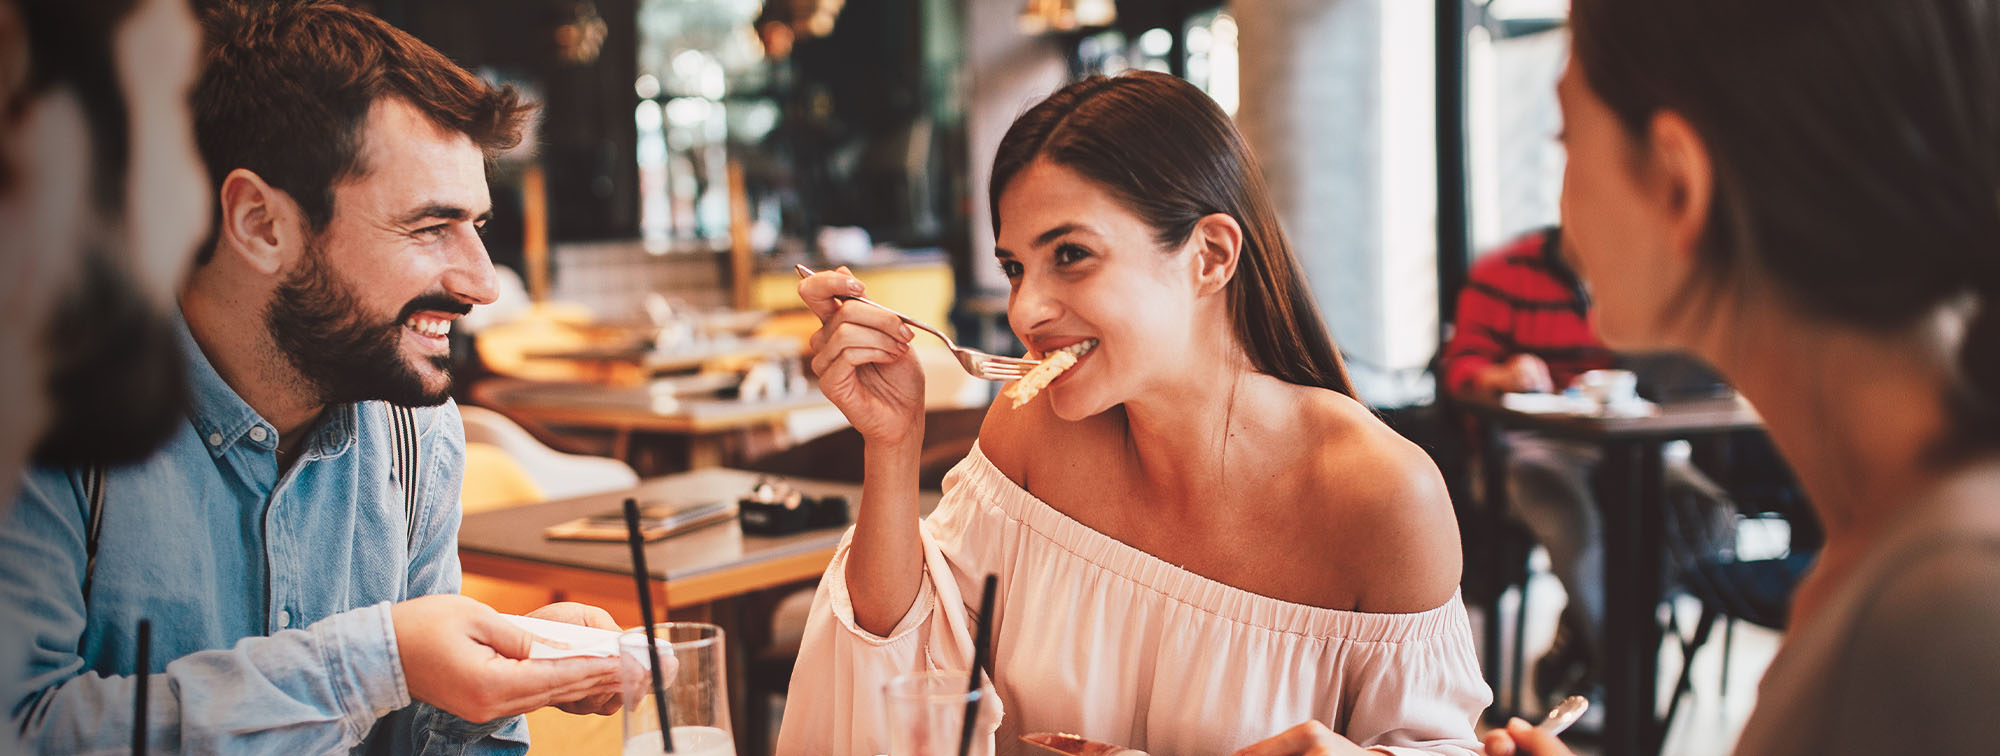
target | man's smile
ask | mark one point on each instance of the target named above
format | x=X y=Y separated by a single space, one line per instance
x=430 y=324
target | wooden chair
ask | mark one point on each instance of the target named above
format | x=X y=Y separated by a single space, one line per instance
x=555 y=474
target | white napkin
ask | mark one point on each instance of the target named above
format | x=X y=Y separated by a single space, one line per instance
x=582 y=641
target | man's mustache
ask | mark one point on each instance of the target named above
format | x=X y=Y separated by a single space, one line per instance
x=434 y=303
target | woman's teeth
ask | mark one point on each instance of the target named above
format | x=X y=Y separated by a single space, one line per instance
x=1079 y=348
x=429 y=326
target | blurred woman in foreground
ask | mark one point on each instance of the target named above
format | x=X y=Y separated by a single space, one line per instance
x=1817 y=184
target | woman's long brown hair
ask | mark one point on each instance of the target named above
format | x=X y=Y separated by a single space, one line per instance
x=1166 y=152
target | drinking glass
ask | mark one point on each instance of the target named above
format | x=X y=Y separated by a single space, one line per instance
x=697 y=697
x=926 y=712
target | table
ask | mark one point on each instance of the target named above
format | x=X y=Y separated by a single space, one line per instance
x=628 y=411
x=650 y=360
x=1631 y=491
x=700 y=569
x=692 y=568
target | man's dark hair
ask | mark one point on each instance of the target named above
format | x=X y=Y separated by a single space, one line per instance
x=286 y=88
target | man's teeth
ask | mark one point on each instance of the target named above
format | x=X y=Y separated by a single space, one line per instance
x=1077 y=349
x=429 y=326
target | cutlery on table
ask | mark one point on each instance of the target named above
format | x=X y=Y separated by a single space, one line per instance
x=978 y=364
x=1065 y=743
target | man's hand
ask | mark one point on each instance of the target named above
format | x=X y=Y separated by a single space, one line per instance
x=1521 y=373
x=1308 y=738
x=606 y=703
x=1523 y=739
x=464 y=658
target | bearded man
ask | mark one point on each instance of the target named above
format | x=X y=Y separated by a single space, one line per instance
x=294 y=541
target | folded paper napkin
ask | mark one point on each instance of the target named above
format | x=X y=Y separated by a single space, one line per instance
x=577 y=640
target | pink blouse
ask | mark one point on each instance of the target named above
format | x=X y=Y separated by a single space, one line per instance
x=1096 y=638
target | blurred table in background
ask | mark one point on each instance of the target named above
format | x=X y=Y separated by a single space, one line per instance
x=648 y=426
x=1631 y=494
x=650 y=361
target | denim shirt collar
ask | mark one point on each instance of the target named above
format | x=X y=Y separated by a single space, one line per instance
x=225 y=420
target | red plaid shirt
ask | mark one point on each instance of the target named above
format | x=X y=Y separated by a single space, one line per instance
x=1523 y=298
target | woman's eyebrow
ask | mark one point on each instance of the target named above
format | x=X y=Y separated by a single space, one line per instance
x=1058 y=232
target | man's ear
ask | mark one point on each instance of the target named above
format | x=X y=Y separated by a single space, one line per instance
x=1218 y=246
x=258 y=222
x=1684 y=177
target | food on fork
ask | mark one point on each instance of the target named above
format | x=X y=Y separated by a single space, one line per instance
x=1046 y=371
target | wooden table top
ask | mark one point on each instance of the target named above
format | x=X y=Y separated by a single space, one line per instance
x=637 y=407
x=686 y=358
x=700 y=565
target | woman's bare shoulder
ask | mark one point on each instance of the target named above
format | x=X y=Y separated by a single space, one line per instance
x=1385 y=507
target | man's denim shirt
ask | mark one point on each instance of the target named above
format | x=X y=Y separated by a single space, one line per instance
x=268 y=594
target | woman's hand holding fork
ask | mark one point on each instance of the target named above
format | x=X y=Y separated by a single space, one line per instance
x=862 y=355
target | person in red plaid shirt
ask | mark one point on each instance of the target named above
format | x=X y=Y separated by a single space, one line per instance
x=1523 y=323
x=1524 y=326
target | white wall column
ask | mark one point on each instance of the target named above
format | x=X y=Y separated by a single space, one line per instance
x=1008 y=71
x=1337 y=104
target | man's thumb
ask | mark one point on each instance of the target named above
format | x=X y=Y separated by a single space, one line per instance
x=505 y=638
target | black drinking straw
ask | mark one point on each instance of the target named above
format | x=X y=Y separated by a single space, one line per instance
x=139 y=694
x=981 y=649
x=639 y=576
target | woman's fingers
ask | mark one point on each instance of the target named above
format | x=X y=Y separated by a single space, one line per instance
x=850 y=336
x=1523 y=738
x=864 y=315
x=1309 y=738
x=836 y=368
x=821 y=291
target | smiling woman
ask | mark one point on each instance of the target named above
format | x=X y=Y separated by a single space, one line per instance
x=1105 y=130
x=1202 y=539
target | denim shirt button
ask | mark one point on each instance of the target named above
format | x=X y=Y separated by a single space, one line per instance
x=257 y=434
x=214 y=439
x=284 y=618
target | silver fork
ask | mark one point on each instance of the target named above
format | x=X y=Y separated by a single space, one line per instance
x=986 y=367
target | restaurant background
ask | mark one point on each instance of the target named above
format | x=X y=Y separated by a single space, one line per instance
x=689 y=153
x=874 y=115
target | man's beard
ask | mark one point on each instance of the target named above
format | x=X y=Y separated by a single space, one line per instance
x=318 y=324
x=116 y=377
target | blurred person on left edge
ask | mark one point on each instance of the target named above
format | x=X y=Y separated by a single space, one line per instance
x=101 y=204
x=296 y=606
